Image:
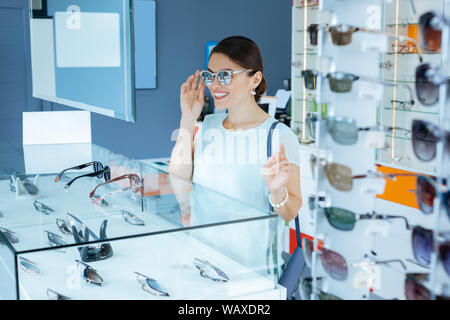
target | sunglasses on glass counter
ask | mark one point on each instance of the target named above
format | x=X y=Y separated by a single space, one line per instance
x=99 y=171
x=135 y=184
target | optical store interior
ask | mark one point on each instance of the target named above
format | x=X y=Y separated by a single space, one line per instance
x=224 y=150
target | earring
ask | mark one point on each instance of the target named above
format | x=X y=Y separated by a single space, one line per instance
x=253 y=92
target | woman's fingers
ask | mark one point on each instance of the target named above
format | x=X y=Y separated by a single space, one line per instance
x=194 y=83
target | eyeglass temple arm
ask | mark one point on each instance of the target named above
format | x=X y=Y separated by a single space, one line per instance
x=391 y=261
x=92 y=174
x=81 y=166
x=107 y=182
x=111 y=193
x=375 y=215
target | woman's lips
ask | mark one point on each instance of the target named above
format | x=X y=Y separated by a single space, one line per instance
x=220 y=95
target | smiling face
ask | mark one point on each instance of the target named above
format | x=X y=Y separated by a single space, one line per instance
x=238 y=92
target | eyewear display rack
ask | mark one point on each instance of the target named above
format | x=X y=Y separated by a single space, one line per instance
x=376 y=254
x=162 y=242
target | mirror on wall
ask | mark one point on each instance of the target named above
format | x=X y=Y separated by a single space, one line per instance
x=83 y=53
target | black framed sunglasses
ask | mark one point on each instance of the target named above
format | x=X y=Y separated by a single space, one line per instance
x=425 y=137
x=100 y=172
x=431 y=25
x=429 y=80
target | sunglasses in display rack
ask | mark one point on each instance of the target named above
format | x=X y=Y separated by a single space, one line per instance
x=426 y=140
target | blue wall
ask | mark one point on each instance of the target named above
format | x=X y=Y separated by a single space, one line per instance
x=183 y=27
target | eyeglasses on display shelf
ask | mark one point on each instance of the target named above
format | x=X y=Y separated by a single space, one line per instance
x=405 y=123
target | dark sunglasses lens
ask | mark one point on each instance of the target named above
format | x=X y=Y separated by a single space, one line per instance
x=416 y=291
x=308 y=248
x=313 y=30
x=340 y=82
x=444 y=252
x=446 y=203
x=427 y=91
x=422 y=242
x=430 y=31
x=98 y=167
x=334 y=264
x=340 y=219
x=306 y=289
x=426 y=192
x=310 y=79
x=341 y=36
x=107 y=173
x=224 y=77
x=424 y=140
x=343 y=131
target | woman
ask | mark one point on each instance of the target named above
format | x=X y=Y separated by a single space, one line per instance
x=228 y=153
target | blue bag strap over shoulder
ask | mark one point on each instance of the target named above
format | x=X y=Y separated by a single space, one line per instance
x=269 y=154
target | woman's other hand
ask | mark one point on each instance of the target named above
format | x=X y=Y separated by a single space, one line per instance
x=276 y=171
x=192 y=95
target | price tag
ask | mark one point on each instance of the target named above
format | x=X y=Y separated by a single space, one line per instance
x=372 y=185
x=375 y=139
x=374 y=43
x=370 y=91
x=369 y=277
x=378 y=227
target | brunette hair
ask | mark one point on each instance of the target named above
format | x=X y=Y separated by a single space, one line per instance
x=245 y=53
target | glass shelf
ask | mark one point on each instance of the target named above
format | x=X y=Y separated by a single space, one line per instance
x=412 y=110
x=306 y=53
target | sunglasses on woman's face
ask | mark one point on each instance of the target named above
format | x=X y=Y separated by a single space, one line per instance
x=423 y=247
x=425 y=137
x=431 y=25
x=99 y=172
x=223 y=76
x=135 y=184
x=428 y=83
x=415 y=290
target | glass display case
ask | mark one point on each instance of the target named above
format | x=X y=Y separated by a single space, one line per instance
x=158 y=237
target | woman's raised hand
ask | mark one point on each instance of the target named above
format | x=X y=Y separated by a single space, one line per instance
x=192 y=95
